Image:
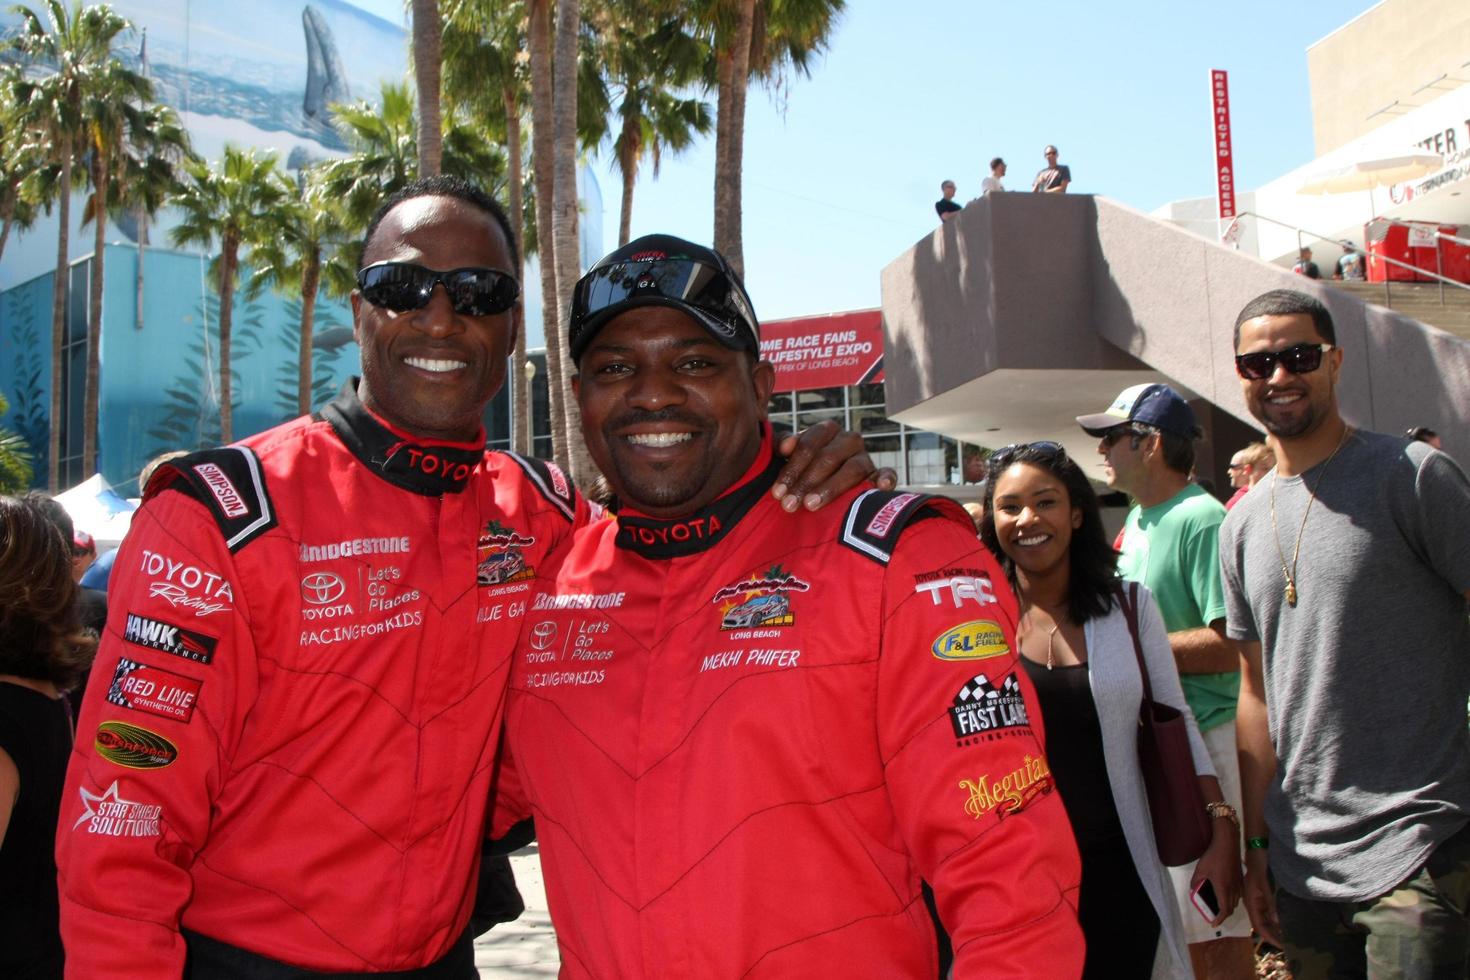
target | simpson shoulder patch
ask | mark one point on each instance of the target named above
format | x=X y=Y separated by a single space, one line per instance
x=229 y=482
x=876 y=518
x=551 y=481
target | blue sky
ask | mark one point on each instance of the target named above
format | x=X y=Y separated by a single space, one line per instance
x=842 y=169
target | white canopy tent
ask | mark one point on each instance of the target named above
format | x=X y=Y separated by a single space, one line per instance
x=96 y=509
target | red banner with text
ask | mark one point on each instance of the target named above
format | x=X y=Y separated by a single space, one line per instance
x=1224 y=161
x=825 y=351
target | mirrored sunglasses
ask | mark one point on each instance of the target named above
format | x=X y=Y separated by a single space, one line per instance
x=402 y=286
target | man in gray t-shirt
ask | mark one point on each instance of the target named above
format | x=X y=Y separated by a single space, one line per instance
x=1346 y=575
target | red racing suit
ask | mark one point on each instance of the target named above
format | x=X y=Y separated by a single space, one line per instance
x=747 y=737
x=288 y=738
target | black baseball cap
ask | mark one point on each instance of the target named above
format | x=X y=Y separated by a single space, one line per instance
x=661 y=270
x=1157 y=405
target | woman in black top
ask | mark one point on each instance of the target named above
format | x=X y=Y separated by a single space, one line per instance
x=1043 y=523
x=42 y=652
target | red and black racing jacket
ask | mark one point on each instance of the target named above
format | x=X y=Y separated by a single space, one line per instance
x=747 y=737
x=287 y=742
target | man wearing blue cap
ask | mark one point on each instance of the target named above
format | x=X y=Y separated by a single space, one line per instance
x=1171 y=544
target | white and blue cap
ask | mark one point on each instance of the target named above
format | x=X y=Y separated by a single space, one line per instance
x=1155 y=405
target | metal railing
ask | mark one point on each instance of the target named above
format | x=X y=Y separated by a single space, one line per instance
x=1437 y=275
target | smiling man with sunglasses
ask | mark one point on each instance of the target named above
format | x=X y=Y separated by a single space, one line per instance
x=285 y=754
x=1346 y=573
x=750 y=738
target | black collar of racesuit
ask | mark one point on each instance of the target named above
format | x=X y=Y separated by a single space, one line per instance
x=705 y=528
x=424 y=466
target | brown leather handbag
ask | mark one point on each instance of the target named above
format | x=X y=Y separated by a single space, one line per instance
x=1175 y=803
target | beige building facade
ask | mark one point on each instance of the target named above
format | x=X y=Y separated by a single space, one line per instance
x=1395 y=57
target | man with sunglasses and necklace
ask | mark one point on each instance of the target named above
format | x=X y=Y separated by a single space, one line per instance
x=749 y=738
x=1346 y=574
x=1170 y=543
x=285 y=753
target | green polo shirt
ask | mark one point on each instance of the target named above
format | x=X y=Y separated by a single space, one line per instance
x=1174 y=549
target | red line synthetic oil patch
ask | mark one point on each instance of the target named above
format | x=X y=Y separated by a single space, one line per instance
x=143 y=687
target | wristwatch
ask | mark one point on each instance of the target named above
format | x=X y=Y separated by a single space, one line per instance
x=1220 y=808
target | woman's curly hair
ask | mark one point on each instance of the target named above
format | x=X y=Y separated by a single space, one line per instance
x=40 y=637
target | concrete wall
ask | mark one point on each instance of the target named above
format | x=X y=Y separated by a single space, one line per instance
x=1006 y=283
x=1396 y=51
x=1023 y=281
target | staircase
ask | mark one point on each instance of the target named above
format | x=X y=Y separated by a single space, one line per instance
x=1420 y=300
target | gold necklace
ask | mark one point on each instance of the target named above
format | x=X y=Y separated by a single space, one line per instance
x=1050 y=639
x=1290 y=576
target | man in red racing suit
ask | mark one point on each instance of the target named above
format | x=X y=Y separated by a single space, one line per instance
x=748 y=738
x=290 y=730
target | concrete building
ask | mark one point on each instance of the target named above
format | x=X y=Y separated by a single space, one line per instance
x=989 y=342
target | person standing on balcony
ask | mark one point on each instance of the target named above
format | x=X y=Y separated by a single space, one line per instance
x=1305 y=266
x=1054 y=177
x=1346 y=578
x=1171 y=544
x=947 y=206
x=992 y=183
x=1350 y=266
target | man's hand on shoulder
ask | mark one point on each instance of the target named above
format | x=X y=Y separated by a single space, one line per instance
x=824 y=461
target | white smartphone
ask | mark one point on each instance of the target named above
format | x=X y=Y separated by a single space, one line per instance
x=1205 y=901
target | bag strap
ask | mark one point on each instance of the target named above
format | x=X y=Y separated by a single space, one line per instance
x=1129 y=605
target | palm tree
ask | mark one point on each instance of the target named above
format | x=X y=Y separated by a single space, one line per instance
x=124 y=131
x=566 y=243
x=385 y=154
x=761 y=39
x=483 y=42
x=427 y=29
x=20 y=168
x=73 y=49
x=233 y=204
x=647 y=63
x=15 y=457
x=302 y=249
x=542 y=168
x=149 y=178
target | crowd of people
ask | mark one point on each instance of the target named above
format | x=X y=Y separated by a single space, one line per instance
x=349 y=661
x=1054 y=178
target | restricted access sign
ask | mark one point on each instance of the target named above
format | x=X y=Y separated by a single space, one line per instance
x=825 y=351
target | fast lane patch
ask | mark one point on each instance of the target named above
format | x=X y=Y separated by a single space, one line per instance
x=981 y=711
x=143 y=687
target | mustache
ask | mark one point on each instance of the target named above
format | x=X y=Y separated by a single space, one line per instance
x=639 y=417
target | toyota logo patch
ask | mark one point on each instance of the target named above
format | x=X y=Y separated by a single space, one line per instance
x=321 y=588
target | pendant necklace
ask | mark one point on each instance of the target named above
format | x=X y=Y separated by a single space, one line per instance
x=1290 y=574
x=1050 y=639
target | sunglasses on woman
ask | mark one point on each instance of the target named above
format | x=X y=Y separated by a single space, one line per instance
x=402 y=286
x=1299 y=359
x=1000 y=458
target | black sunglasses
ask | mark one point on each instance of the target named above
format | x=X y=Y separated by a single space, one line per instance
x=1117 y=432
x=1000 y=458
x=403 y=286
x=1298 y=359
x=685 y=281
